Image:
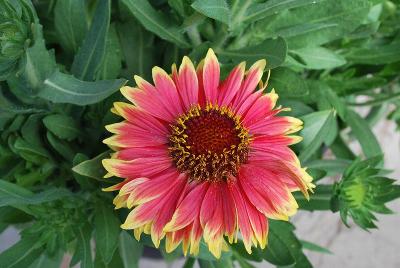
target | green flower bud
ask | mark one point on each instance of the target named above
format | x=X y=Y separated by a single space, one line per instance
x=15 y=22
x=364 y=191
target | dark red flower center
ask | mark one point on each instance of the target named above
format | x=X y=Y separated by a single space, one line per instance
x=209 y=143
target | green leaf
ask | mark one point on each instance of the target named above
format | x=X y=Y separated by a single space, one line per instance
x=240 y=249
x=92 y=168
x=317 y=126
x=383 y=54
x=281 y=243
x=30 y=131
x=363 y=133
x=22 y=254
x=141 y=59
x=63 y=88
x=205 y=254
x=319 y=200
x=287 y=83
x=63 y=126
x=273 y=50
x=12 y=195
x=341 y=149
x=16 y=107
x=90 y=55
x=61 y=147
x=156 y=22
x=85 y=182
x=284 y=248
x=189 y=263
x=38 y=63
x=48 y=262
x=258 y=11
x=107 y=231
x=70 y=23
x=215 y=9
x=130 y=250
x=83 y=252
x=318 y=58
x=111 y=64
x=314 y=247
x=309 y=25
x=30 y=152
x=331 y=166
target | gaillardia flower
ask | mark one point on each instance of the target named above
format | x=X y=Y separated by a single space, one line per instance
x=205 y=159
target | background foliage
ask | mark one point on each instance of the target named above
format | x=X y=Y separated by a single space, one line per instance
x=62 y=62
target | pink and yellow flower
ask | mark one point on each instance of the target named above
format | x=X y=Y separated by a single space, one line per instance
x=205 y=159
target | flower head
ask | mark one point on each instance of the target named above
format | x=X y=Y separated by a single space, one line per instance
x=205 y=159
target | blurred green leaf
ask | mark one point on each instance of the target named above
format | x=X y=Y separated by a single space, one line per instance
x=70 y=21
x=83 y=254
x=318 y=58
x=155 y=21
x=273 y=50
x=215 y=9
x=63 y=88
x=283 y=246
x=12 y=195
x=107 y=231
x=383 y=54
x=111 y=64
x=130 y=250
x=287 y=83
x=90 y=55
x=364 y=134
x=48 y=262
x=140 y=60
x=331 y=166
x=314 y=247
x=63 y=126
x=319 y=200
x=22 y=254
x=317 y=126
x=258 y=11
x=309 y=25
x=189 y=263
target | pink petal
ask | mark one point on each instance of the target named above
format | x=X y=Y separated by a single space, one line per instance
x=244 y=224
x=140 y=118
x=260 y=108
x=211 y=76
x=187 y=83
x=229 y=211
x=277 y=125
x=152 y=188
x=167 y=91
x=140 y=167
x=231 y=85
x=188 y=209
x=211 y=217
x=169 y=203
x=148 y=100
x=252 y=79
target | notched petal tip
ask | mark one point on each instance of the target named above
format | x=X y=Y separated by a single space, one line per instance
x=259 y=65
x=186 y=62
